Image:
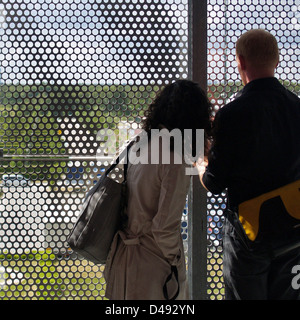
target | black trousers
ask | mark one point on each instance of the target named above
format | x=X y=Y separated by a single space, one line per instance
x=259 y=270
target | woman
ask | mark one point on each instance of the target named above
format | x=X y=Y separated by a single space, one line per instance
x=147 y=260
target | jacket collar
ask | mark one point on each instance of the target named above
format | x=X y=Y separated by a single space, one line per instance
x=261 y=84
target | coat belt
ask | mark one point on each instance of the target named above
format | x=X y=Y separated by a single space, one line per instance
x=129 y=241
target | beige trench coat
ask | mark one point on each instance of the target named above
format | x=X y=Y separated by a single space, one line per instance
x=140 y=258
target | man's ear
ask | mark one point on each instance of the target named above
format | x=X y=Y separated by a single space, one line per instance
x=241 y=61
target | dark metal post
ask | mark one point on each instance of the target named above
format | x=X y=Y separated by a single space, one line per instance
x=197 y=260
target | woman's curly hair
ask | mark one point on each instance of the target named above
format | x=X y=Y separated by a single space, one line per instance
x=182 y=105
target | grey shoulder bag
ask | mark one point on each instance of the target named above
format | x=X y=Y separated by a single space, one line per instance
x=101 y=216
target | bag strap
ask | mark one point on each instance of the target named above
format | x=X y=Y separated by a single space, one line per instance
x=116 y=162
x=165 y=290
x=118 y=159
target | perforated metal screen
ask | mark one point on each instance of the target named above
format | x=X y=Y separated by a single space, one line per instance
x=227 y=20
x=70 y=68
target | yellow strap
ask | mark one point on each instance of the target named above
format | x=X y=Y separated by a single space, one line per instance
x=249 y=210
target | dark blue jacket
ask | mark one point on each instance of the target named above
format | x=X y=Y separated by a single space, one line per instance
x=256 y=145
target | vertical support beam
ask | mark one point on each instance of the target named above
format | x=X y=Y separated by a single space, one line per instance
x=197 y=241
x=198 y=42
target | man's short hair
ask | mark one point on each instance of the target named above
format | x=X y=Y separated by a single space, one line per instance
x=259 y=47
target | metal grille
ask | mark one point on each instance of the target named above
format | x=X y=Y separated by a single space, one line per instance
x=227 y=20
x=69 y=69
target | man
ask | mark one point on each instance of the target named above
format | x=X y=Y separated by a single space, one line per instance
x=256 y=156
